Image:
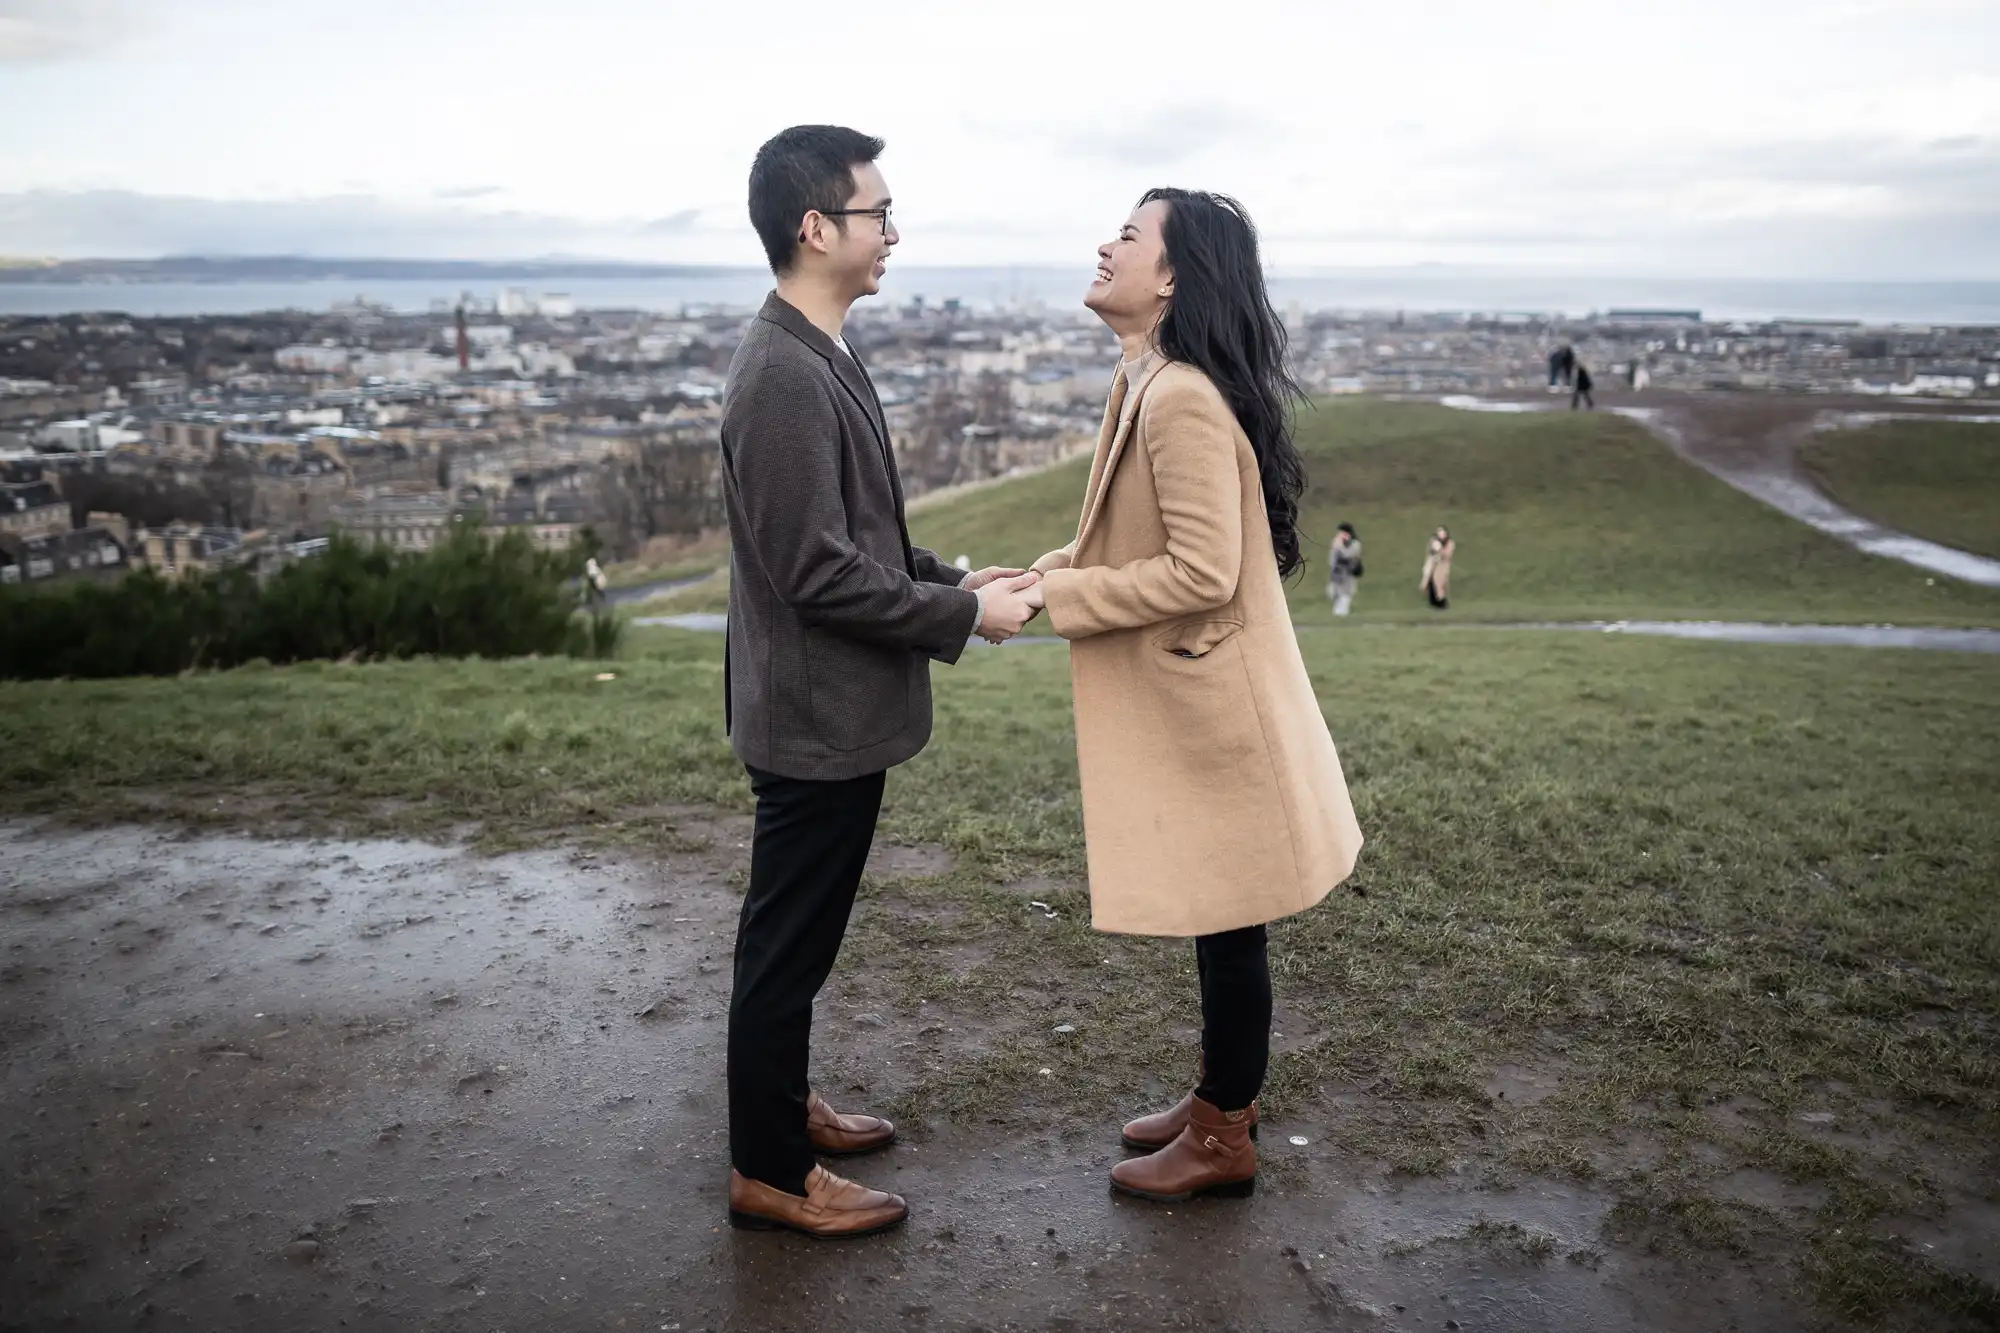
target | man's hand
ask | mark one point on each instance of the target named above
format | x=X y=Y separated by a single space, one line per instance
x=1004 y=607
x=991 y=574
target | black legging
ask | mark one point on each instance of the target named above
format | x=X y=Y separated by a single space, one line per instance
x=1235 y=1016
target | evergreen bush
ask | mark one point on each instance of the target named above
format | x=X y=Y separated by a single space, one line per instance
x=472 y=595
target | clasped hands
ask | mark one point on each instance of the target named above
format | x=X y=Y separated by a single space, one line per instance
x=1012 y=598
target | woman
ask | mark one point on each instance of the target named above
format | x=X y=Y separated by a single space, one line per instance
x=1213 y=801
x=1436 y=580
x=1343 y=561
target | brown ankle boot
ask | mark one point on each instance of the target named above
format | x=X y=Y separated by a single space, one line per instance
x=1212 y=1155
x=1150 y=1133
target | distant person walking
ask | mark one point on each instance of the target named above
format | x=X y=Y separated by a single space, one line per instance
x=1562 y=363
x=1344 y=568
x=1583 y=387
x=1436 y=582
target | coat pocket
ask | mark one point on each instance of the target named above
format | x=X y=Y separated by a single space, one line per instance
x=860 y=692
x=1196 y=638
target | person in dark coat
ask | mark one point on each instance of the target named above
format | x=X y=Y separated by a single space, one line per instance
x=1562 y=365
x=834 y=620
x=1583 y=386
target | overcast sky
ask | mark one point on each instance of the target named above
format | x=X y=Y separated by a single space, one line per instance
x=1843 y=138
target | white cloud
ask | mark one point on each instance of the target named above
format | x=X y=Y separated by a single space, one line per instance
x=127 y=224
x=1709 y=134
x=39 y=30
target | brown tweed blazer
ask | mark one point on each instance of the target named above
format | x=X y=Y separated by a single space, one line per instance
x=833 y=616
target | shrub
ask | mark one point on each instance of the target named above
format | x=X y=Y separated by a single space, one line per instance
x=470 y=596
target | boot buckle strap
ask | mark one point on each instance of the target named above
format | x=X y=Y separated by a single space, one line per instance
x=1212 y=1143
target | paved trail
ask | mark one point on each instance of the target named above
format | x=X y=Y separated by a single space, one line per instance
x=1732 y=631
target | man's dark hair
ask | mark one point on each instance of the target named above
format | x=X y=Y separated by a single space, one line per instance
x=1347 y=528
x=807 y=168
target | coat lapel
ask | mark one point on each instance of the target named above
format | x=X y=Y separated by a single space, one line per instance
x=1106 y=431
x=846 y=368
x=854 y=379
x=871 y=403
x=1108 y=455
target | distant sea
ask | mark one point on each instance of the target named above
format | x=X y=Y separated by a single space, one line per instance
x=1411 y=289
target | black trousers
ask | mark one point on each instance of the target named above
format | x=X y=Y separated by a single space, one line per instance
x=1235 y=969
x=806 y=857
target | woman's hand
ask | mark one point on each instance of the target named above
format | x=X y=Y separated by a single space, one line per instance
x=979 y=578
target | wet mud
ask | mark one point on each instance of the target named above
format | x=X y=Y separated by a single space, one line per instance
x=303 y=1085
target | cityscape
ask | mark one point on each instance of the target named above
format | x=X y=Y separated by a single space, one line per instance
x=191 y=443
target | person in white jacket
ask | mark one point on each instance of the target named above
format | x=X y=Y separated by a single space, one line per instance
x=1343 y=562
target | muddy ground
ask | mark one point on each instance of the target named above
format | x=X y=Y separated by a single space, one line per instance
x=312 y=1084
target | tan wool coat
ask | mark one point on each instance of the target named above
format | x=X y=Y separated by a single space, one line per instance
x=1212 y=795
x=1437 y=565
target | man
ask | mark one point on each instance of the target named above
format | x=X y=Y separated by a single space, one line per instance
x=834 y=619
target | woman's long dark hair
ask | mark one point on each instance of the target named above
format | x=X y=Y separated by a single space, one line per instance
x=1220 y=320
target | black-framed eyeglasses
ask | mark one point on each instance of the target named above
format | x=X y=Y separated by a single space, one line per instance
x=881 y=214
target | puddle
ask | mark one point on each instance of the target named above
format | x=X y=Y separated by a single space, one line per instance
x=705 y=622
x=645 y=592
x=715 y=622
x=1466 y=402
x=1517 y=1086
x=1762 y=1189
x=1966 y=1241
x=1844 y=636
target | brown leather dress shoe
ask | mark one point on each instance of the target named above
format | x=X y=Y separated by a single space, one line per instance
x=833 y=1208
x=837 y=1135
x=1213 y=1155
x=1150 y=1133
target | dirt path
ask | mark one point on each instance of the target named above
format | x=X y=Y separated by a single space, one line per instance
x=1752 y=443
x=1756 y=450
x=307 y=1085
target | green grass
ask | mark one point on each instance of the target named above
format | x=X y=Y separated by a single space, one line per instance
x=1557 y=516
x=694 y=557
x=1937 y=479
x=1670 y=876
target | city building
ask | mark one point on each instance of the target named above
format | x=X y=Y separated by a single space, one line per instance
x=33 y=509
x=182 y=548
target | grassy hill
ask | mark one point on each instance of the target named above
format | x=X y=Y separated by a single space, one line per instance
x=1938 y=479
x=1557 y=516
